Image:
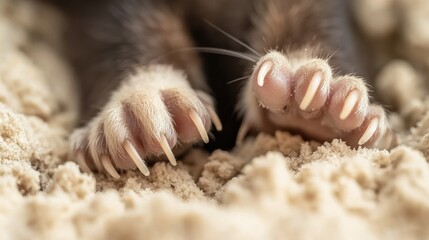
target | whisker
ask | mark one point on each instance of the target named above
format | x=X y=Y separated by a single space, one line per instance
x=234 y=39
x=238 y=79
x=227 y=53
x=219 y=51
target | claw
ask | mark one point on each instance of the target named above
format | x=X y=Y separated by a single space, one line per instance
x=80 y=158
x=263 y=71
x=166 y=148
x=311 y=90
x=387 y=141
x=349 y=104
x=369 y=132
x=97 y=164
x=109 y=167
x=135 y=157
x=215 y=118
x=199 y=124
x=242 y=132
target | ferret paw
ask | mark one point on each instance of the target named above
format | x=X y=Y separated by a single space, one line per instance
x=150 y=114
x=303 y=96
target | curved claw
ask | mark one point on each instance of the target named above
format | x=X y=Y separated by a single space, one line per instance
x=387 y=140
x=166 y=148
x=215 y=118
x=349 y=104
x=97 y=163
x=263 y=71
x=80 y=159
x=107 y=164
x=199 y=124
x=369 y=132
x=242 y=132
x=311 y=90
x=135 y=157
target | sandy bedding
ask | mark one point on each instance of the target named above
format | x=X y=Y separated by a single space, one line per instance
x=272 y=187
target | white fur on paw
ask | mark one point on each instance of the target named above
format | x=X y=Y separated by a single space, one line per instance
x=147 y=116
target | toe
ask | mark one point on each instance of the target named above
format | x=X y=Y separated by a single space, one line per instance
x=120 y=126
x=272 y=81
x=372 y=129
x=312 y=85
x=97 y=143
x=190 y=116
x=144 y=120
x=80 y=150
x=349 y=102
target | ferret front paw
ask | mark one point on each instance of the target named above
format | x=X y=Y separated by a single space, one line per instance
x=305 y=97
x=150 y=113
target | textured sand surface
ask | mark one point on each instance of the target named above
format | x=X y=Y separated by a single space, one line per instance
x=271 y=187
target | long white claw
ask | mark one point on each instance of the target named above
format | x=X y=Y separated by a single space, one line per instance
x=215 y=118
x=369 y=132
x=80 y=158
x=312 y=88
x=263 y=71
x=135 y=157
x=167 y=150
x=244 y=129
x=199 y=124
x=107 y=164
x=349 y=104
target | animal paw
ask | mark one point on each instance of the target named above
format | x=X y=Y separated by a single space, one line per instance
x=151 y=112
x=304 y=96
